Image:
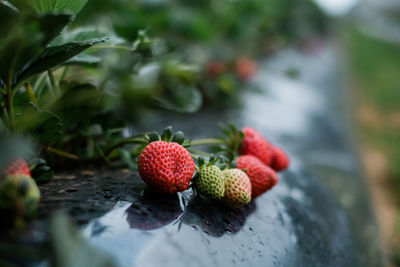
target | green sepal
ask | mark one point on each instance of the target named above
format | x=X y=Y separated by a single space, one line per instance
x=222 y=166
x=187 y=143
x=212 y=159
x=40 y=171
x=232 y=128
x=200 y=161
x=167 y=134
x=223 y=158
x=179 y=137
x=152 y=137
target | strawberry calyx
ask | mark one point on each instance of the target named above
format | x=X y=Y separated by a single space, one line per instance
x=168 y=136
x=228 y=145
x=220 y=161
x=147 y=138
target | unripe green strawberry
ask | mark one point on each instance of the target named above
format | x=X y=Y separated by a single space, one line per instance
x=210 y=182
x=19 y=195
x=237 y=187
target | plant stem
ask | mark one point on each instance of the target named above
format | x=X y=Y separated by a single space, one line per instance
x=37 y=87
x=64 y=72
x=198 y=152
x=30 y=93
x=62 y=153
x=10 y=108
x=125 y=142
x=121 y=47
x=3 y=116
x=53 y=82
x=208 y=141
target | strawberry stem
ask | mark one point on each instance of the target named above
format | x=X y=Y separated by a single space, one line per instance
x=29 y=92
x=3 y=115
x=10 y=108
x=62 y=153
x=198 y=152
x=54 y=84
x=207 y=141
x=63 y=74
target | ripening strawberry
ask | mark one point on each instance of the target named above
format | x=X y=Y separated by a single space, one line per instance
x=166 y=167
x=280 y=160
x=19 y=196
x=215 y=68
x=19 y=166
x=245 y=68
x=262 y=177
x=237 y=187
x=253 y=143
x=210 y=182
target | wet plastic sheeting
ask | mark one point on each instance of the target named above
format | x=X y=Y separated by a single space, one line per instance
x=294 y=225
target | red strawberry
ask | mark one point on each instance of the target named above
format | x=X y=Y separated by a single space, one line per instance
x=254 y=143
x=19 y=166
x=280 y=160
x=262 y=177
x=215 y=68
x=166 y=167
x=245 y=68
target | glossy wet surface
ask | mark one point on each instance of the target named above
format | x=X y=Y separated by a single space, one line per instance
x=317 y=215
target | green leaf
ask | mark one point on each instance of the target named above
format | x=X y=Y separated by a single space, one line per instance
x=17 y=52
x=9 y=15
x=83 y=59
x=92 y=130
x=184 y=99
x=78 y=103
x=46 y=6
x=43 y=126
x=69 y=248
x=49 y=129
x=84 y=34
x=52 y=25
x=56 y=55
x=126 y=158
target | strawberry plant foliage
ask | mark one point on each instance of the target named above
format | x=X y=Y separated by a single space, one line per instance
x=45 y=6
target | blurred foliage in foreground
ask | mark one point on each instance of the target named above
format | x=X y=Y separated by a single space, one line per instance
x=65 y=247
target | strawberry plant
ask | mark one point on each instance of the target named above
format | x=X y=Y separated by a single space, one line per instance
x=27 y=50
